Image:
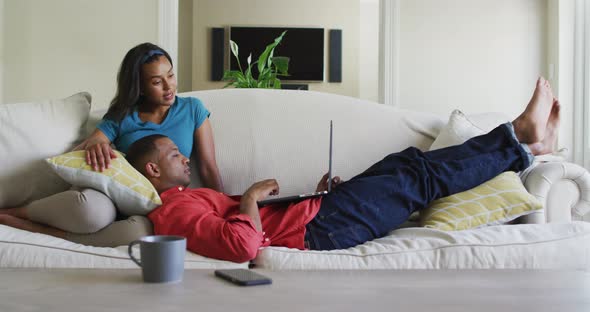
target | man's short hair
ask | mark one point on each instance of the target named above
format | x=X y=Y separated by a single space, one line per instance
x=142 y=151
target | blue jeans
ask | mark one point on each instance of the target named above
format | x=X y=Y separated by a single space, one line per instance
x=380 y=199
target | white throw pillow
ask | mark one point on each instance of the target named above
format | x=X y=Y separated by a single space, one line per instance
x=460 y=128
x=128 y=189
x=31 y=132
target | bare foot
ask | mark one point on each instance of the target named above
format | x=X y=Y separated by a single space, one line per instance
x=530 y=126
x=547 y=145
x=30 y=226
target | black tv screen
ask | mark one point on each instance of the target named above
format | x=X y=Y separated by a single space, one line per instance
x=304 y=47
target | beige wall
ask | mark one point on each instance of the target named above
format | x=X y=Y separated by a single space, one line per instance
x=475 y=55
x=185 y=45
x=56 y=48
x=329 y=14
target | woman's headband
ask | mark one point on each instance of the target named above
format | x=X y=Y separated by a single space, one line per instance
x=151 y=53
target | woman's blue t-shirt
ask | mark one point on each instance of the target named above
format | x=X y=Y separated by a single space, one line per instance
x=184 y=117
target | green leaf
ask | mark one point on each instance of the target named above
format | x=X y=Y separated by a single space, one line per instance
x=232 y=75
x=277 y=84
x=263 y=60
x=282 y=64
x=250 y=81
x=265 y=74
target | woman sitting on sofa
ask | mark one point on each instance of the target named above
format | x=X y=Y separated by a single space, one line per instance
x=145 y=104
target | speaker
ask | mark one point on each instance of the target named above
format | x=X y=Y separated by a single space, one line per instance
x=217 y=53
x=335 y=56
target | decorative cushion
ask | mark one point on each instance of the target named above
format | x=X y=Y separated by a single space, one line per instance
x=31 y=132
x=130 y=190
x=460 y=128
x=496 y=201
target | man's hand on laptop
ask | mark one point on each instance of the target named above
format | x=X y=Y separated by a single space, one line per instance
x=258 y=191
x=262 y=189
x=323 y=184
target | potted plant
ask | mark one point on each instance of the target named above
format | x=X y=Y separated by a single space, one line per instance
x=270 y=67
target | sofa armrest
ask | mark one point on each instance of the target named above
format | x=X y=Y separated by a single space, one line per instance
x=562 y=187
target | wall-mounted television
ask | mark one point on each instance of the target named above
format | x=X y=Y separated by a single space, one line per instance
x=304 y=47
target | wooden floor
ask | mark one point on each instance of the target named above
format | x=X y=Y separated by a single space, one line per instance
x=302 y=291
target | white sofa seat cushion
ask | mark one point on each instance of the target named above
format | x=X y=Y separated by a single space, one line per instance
x=23 y=249
x=525 y=246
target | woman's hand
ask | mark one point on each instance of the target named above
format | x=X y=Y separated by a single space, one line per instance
x=99 y=156
x=98 y=150
x=323 y=184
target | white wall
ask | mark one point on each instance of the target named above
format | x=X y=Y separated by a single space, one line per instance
x=475 y=55
x=55 y=48
x=369 y=50
x=563 y=45
x=329 y=14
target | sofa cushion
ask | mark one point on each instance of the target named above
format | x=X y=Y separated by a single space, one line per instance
x=496 y=201
x=128 y=188
x=284 y=134
x=564 y=246
x=461 y=128
x=31 y=132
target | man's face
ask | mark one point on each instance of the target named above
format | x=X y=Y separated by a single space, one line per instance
x=174 y=167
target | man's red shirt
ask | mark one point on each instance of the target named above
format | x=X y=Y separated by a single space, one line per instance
x=214 y=227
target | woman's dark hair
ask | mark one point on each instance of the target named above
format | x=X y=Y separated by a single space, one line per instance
x=129 y=79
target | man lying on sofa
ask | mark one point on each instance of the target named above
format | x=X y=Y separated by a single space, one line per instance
x=366 y=207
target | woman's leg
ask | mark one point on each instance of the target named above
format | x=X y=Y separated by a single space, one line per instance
x=118 y=233
x=76 y=211
x=79 y=211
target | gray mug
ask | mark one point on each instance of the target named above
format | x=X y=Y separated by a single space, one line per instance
x=162 y=258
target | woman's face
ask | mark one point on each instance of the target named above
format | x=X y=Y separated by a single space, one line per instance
x=158 y=82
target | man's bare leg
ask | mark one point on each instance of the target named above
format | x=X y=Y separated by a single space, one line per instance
x=530 y=126
x=547 y=145
x=30 y=226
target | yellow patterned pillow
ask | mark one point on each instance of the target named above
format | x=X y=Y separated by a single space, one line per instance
x=496 y=201
x=130 y=190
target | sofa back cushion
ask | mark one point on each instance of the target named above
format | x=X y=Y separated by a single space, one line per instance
x=31 y=132
x=284 y=134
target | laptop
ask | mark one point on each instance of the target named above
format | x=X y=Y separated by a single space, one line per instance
x=296 y=198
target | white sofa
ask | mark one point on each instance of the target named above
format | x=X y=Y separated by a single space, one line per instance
x=284 y=134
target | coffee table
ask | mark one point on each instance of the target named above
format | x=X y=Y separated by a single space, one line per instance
x=377 y=290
